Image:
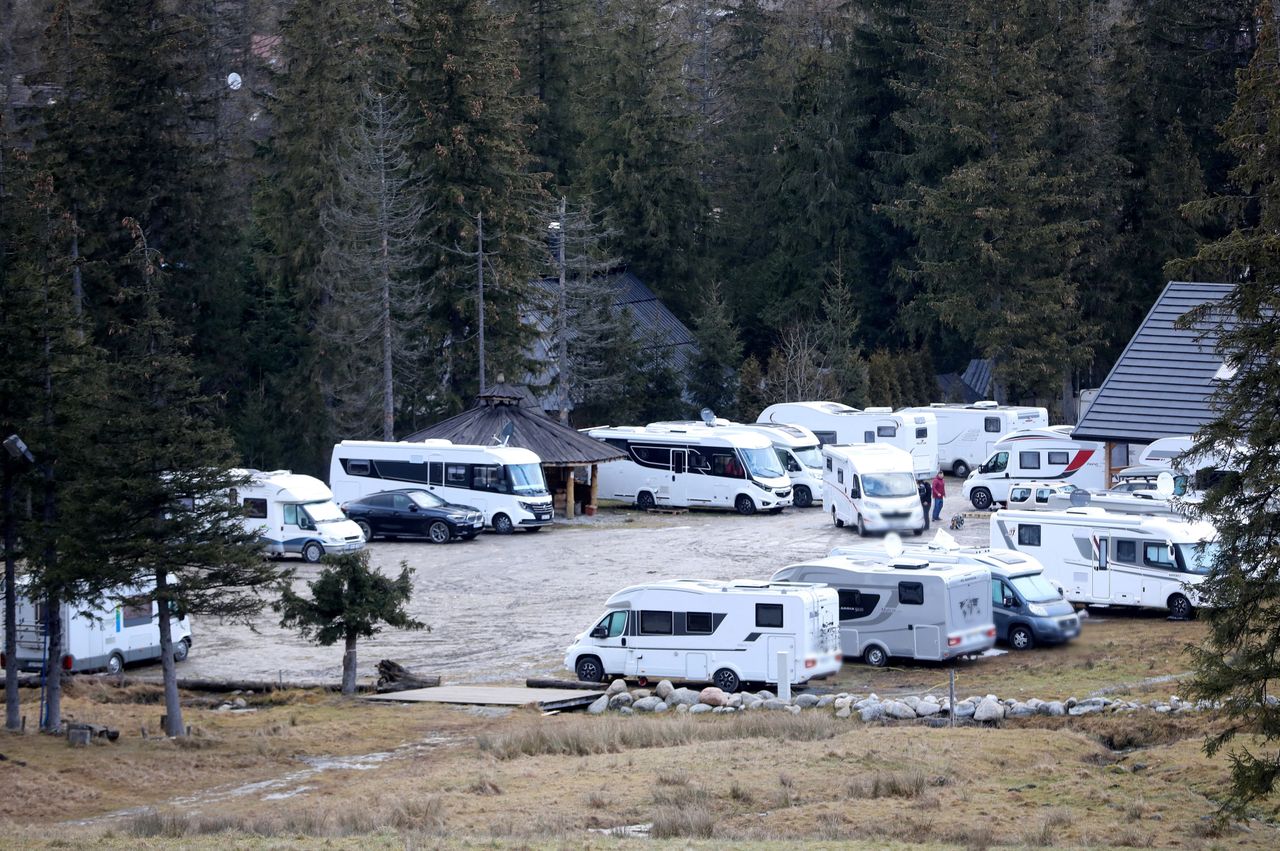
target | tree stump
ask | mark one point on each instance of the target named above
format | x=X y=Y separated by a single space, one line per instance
x=393 y=676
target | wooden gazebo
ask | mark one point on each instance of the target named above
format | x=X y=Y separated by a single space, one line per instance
x=563 y=450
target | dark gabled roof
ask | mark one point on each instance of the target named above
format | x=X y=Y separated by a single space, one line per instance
x=1162 y=383
x=972 y=386
x=554 y=443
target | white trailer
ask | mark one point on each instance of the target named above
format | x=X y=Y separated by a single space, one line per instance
x=832 y=422
x=504 y=482
x=967 y=433
x=725 y=632
x=914 y=608
x=293 y=513
x=1038 y=454
x=1098 y=557
x=122 y=628
x=872 y=488
x=693 y=466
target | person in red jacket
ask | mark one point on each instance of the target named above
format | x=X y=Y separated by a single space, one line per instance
x=939 y=492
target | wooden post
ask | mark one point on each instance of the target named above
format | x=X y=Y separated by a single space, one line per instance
x=568 y=493
x=595 y=485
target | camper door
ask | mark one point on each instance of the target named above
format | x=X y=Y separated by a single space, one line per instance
x=609 y=637
x=295 y=526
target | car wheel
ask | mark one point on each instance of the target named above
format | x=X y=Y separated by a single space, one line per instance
x=862 y=527
x=981 y=499
x=115 y=663
x=645 y=501
x=744 y=504
x=312 y=552
x=961 y=469
x=836 y=520
x=365 y=529
x=589 y=670
x=181 y=650
x=875 y=656
x=1180 y=608
x=1020 y=638
x=802 y=498
x=502 y=524
x=726 y=680
x=439 y=532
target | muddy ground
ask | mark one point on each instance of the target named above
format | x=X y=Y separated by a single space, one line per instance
x=504 y=608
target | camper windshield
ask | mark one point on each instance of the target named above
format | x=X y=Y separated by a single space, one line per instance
x=324 y=512
x=1192 y=560
x=527 y=479
x=810 y=456
x=762 y=463
x=1035 y=588
x=886 y=485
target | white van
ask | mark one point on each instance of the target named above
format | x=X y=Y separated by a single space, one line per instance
x=1102 y=558
x=831 y=422
x=685 y=465
x=504 y=482
x=102 y=636
x=725 y=632
x=913 y=608
x=871 y=487
x=967 y=433
x=293 y=513
x=1039 y=454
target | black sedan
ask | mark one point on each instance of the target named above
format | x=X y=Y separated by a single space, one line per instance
x=413 y=514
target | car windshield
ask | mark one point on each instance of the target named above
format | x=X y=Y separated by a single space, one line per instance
x=810 y=456
x=1035 y=588
x=1194 y=560
x=324 y=512
x=886 y=485
x=426 y=499
x=762 y=463
x=527 y=479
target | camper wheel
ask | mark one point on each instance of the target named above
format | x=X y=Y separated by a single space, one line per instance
x=438 y=532
x=502 y=524
x=981 y=498
x=802 y=497
x=834 y=519
x=726 y=680
x=115 y=663
x=1020 y=638
x=181 y=650
x=589 y=670
x=875 y=656
x=1179 y=608
x=644 y=501
x=961 y=469
x=744 y=504
x=312 y=552
x=862 y=527
x=365 y=529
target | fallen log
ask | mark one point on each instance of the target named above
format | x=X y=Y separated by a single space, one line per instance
x=535 y=682
x=393 y=676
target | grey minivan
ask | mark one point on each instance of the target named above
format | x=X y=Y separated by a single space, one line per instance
x=1028 y=610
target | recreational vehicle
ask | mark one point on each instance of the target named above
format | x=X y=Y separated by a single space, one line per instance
x=1204 y=470
x=295 y=514
x=914 y=608
x=1059 y=496
x=1038 y=454
x=119 y=629
x=831 y=422
x=503 y=482
x=1098 y=557
x=1026 y=608
x=693 y=465
x=725 y=632
x=967 y=433
x=872 y=488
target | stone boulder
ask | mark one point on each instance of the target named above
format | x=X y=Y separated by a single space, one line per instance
x=928 y=708
x=620 y=700
x=1021 y=710
x=899 y=710
x=640 y=694
x=599 y=705
x=825 y=701
x=663 y=689
x=806 y=701
x=699 y=708
x=775 y=703
x=765 y=695
x=989 y=709
x=616 y=687
x=1054 y=708
x=683 y=697
x=871 y=712
x=965 y=708
x=843 y=712
x=713 y=696
x=648 y=704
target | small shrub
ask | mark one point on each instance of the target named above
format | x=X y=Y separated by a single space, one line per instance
x=1134 y=837
x=484 y=786
x=597 y=801
x=888 y=784
x=740 y=793
x=672 y=822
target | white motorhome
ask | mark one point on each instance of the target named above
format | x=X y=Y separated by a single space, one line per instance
x=798 y=451
x=914 y=608
x=119 y=629
x=1102 y=558
x=1038 y=454
x=967 y=433
x=872 y=488
x=693 y=466
x=1201 y=471
x=832 y=422
x=504 y=482
x=725 y=632
x=293 y=513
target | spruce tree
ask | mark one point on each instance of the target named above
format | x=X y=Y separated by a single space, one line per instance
x=713 y=374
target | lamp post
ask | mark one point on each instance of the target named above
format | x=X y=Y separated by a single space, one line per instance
x=16 y=453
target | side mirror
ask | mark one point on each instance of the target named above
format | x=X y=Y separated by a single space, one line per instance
x=413 y=506
x=1009 y=602
x=599 y=632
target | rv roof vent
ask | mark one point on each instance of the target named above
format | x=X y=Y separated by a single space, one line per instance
x=986 y=403
x=1088 y=511
x=877 y=410
x=910 y=564
x=748 y=583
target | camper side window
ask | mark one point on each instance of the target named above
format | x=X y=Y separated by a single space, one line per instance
x=455 y=475
x=291 y=514
x=997 y=463
x=991 y=425
x=655 y=623
x=1029 y=535
x=435 y=473
x=922 y=433
x=356 y=468
x=911 y=593
x=854 y=604
x=868 y=437
x=840 y=476
x=769 y=615
x=726 y=465
x=1127 y=551
x=255 y=508
x=699 y=623
x=1029 y=460
x=1020 y=494
x=886 y=431
x=488 y=477
x=828 y=463
x=1042 y=495
x=136 y=614
x=1059 y=458
x=614 y=623
x=825 y=436
x=1158 y=555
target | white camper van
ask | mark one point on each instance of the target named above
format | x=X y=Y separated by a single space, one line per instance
x=104 y=636
x=831 y=422
x=725 y=632
x=913 y=608
x=693 y=465
x=504 y=482
x=967 y=433
x=1101 y=558
x=295 y=514
x=1038 y=454
x=872 y=488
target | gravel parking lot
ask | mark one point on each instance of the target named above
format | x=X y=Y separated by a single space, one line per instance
x=504 y=608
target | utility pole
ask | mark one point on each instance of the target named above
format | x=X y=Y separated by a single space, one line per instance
x=563 y=330
x=480 y=288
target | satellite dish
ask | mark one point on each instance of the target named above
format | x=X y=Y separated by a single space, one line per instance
x=893 y=545
x=708 y=416
x=234 y=81
x=1080 y=498
x=507 y=431
x=1164 y=485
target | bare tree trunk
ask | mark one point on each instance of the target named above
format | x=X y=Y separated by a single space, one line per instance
x=12 y=713
x=480 y=288
x=388 y=395
x=349 y=665
x=52 y=720
x=562 y=353
x=173 y=725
